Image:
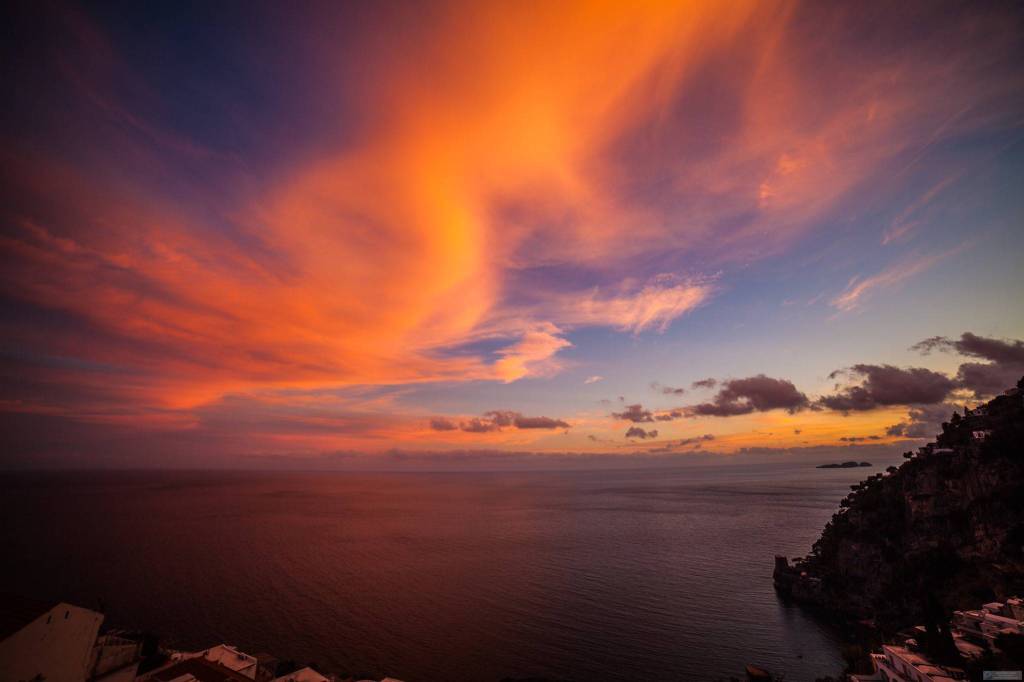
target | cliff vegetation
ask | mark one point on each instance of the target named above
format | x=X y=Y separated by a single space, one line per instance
x=943 y=531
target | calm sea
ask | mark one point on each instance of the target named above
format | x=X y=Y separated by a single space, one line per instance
x=611 y=575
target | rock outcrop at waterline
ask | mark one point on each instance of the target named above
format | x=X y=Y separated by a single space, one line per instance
x=943 y=531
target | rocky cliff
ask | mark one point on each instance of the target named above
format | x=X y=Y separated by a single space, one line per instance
x=943 y=531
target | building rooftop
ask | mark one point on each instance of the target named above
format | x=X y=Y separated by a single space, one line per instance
x=197 y=669
x=306 y=674
x=16 y=612
x=229 y=657
x=934 y=672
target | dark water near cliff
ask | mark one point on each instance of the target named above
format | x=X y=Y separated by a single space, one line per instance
x=659 y=575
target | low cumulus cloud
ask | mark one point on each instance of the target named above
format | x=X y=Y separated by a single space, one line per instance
x=522 y=422
x=638 y=432
x=501 y=417
x=667 y=390
x=868 y=386
x=753 y=394
x=696 y=440
x=1004 y=366
x=442 y=424
x=995 y=350
x=922 y=422
x=635 y=413
x=988 y=379
x=495 y=420
x=887 y=385
x=692 y=445
x=477 y=425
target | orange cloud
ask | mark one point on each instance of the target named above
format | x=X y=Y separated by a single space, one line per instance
x=530 y=356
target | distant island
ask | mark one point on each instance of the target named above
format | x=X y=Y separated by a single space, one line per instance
x=843 y=465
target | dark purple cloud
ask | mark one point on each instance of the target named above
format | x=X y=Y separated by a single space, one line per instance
x=994 y=350
x=667 y=390
x=495 y=420
x=442 y=424
x=522 y=422
x=501 y=417
x=669 y=416
x=989 y=379
x=922 y=422
x=705 y=383
x=1004 y=367
x=477 y=425
x=635 y=413
x=691 y=445
x=753 y=394
x=859 y=439
x=886 y=385
x=638 y=432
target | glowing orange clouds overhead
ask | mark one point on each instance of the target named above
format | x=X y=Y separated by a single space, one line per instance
x=383 y=252
x=512 y=109
x=518 y=171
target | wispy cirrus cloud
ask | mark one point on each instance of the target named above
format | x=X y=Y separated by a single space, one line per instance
x=654 y=306
x=533 y=355
x=861 y=288
x=910 y=217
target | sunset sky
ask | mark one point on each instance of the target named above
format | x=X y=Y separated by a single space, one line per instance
x=240 y=233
